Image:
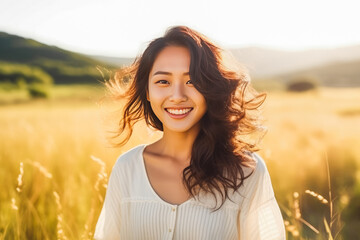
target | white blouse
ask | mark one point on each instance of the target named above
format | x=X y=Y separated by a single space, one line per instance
x=133 y=210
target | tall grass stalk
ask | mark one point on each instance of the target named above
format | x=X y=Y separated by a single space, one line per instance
x=331 y=231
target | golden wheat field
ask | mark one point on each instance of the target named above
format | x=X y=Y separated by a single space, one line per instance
x=55 y=162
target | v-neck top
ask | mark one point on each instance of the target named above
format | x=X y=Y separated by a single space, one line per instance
x=133 y=210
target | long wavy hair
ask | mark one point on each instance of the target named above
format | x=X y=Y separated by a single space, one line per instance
x=222 y=147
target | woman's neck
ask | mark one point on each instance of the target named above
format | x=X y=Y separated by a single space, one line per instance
x=178 y=145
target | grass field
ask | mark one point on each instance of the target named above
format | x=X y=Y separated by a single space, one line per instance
x=55 y=161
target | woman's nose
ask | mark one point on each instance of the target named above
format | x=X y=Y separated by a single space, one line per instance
x=178 y=93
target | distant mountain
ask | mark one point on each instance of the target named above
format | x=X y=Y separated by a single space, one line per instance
x=337 y=74
x=118 y=61
x=263 y=62
x=63 y=66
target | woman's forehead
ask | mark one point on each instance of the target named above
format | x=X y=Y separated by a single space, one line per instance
x=172 y=59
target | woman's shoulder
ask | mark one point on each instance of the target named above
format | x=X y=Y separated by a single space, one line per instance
x=259 y=169
x=260 y=165
x=129 y=158
x=254 y=168
x=259 y=179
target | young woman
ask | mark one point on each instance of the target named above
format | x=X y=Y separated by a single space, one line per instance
x=202 y=180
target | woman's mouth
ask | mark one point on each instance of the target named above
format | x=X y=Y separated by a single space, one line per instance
x=178 y=112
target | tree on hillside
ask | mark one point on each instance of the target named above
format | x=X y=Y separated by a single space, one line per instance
x=302 y=84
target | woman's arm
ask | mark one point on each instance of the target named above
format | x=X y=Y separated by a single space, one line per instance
x=260 y=217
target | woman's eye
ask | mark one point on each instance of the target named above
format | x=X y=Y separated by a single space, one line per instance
x=189 y=82
x=162 y=82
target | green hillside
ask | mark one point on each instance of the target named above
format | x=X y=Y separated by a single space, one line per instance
x=63 y=66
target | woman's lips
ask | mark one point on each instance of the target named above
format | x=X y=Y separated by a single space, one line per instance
x=178 y=112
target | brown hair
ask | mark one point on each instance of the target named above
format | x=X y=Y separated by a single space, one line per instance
x=220 y=150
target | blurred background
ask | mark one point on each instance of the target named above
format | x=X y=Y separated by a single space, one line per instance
x=55 y=117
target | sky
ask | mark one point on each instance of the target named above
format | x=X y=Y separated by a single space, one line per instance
x=123 y=28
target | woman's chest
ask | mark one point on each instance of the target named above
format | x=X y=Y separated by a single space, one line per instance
x=167 y=181
x=156 y=220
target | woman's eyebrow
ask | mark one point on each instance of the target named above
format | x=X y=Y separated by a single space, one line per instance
x=162 y=73
x=168 y=73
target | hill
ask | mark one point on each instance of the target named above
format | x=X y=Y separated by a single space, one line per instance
x=263 y=62
x=337 y=74
x=117 y=61
x=63 y=66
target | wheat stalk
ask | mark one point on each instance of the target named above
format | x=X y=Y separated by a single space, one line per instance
x=333 y=217
x=87 y=234
x=102 y=176
x=298 y=213
x=59 y=226
x=42 y=169
x=13 y=204
x=19 y=188
x=292 y=229
x=317 y=196
x=20 y=178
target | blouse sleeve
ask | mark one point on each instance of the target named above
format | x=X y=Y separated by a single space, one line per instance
x=260 y=217
x=108 y=224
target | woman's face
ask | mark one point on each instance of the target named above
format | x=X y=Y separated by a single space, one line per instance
x=173 y=97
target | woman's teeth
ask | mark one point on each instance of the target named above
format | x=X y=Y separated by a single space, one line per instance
x=178 y=111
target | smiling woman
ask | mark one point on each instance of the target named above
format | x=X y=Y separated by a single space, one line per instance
x=201 y=180
x=172 y=95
